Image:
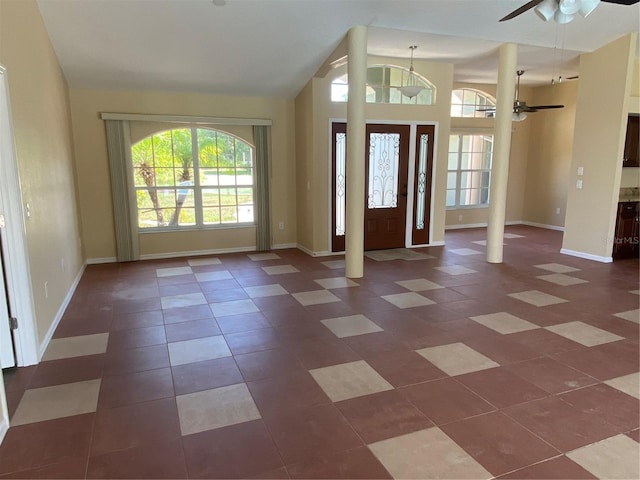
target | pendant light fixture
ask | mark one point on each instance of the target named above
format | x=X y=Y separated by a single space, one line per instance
x=411 y=88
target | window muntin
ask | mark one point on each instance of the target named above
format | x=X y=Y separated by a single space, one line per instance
x=465 y=102
x=469 y=170
x=383 y=82
x=193 y=177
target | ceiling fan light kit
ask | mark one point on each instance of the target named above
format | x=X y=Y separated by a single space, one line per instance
x=564 y=11
x=411 y=89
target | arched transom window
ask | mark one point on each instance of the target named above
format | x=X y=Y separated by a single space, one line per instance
x=468 y=103
x=383 y=82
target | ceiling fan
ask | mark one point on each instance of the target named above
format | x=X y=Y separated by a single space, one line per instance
x=520 y=107
x=562 y=10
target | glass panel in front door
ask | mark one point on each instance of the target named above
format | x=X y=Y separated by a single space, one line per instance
x=384 y=155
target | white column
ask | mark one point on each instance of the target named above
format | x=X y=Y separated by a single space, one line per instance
x=501 y=150
x=356 y=140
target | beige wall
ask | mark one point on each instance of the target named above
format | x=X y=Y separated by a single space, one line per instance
x=550 y=152
x=42 y=129
x=93 y=170
x=304 y=165
x=601 y=116
x=315 y=143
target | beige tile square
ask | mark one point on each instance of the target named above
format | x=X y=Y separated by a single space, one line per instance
x=258 y=257
x=513 y=235
x=349 y=380
x=629 y=384
x=337 y=282
x=334 y=264
x=184 y=300
x=584 y=334
x=210 y=409
x=351 y=326
x=48 y=403
x=214 y=276
x=170 y=272
x=481 y=242
x=615 y=457
x=465 y=251
x=76 y=346
x=315 y=297
x=196 y=262
x=418 y=284
x=233 y=307
x=557 y=268
x=198 y=350
x=280 y=269
x=537 y=298
x=562 y=279
x=265 y=291
x=631 y=315
x=635 y=292
x=457 y=358
x=427 y=453
x=504 y=323
x=408 y=300
x=456 y=270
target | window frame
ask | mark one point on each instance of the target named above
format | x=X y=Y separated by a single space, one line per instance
x=196 y=187
x=459 y=171
x=491 y=102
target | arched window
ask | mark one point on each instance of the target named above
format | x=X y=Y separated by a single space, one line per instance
x=466 y=102
x=383 y=82
x=193 y=177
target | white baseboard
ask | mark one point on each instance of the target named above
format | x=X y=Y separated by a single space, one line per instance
x=317 y=254
x=283 y=246
x=195 y=253
x=97 y=261
x=465 y=225
x=4 y=428
x=543 y=225
x=588 y=256
x=56 y=320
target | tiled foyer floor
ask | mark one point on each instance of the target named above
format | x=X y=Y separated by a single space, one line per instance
x=434 y=365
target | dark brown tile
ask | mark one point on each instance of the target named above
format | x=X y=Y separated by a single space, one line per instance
x=158 y=459
x=177 y=332
x=544 y=342
x=134 y=425
x=356 y=463
x=136 y=338
x=559 y=468
x=242 y=323
x=613 y=406
x=269 y=363
x=444 y=401
x=563 y=426
x=252 y=341
x=68 y=370
x=604 y=362
x=320 y=353
x=375 y=344
x=286 y=393
x=500 y=387
x=550 y=375
x=501 y=349
x=382 y=415
x=137 y=320
x=18 y=378
x=13 y=400
x=86 y=324
x=213 y=294
x=132 y=306
x=635 y=434
x=179 y=289
x=136 y=360
x=302 y=435
x=185 y=314
x=39 y=444
x=280 y=312
x=236 y=451
x=66 y=469
x=198 y=376
x=405 y=368
x=276 y=474
x=498 y=443
x=136 y=387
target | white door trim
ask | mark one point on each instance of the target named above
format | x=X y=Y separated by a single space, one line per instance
x=14 y=237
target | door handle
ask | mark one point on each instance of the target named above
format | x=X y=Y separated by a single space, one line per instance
x=404 y=192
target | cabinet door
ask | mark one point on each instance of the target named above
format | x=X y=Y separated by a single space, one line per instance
x=631 y=150
x=626 y=238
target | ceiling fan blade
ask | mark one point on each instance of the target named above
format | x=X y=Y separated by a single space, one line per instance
x=546 y=107
x=575 y=77
x=622 y=2
x=522 y=9
x=492 y=109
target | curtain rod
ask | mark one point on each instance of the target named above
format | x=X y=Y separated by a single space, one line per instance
x=184 y=119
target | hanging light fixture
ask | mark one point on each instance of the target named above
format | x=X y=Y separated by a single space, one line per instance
x=564 y=11
x=412 y=88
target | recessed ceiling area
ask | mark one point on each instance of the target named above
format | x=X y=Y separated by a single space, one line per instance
x=273 y=47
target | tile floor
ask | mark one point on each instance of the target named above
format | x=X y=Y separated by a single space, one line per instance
x=273 y=365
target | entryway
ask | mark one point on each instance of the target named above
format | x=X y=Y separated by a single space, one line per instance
x=398 y=174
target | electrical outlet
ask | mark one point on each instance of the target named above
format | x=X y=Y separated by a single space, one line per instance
x=558 y=211
x=280 y=225
x=46 y=289
x=579 y=184
x=580 y=171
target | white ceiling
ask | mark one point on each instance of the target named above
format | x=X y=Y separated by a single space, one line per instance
x=273 y=47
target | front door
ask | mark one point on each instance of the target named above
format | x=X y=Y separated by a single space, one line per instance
x=386 y=186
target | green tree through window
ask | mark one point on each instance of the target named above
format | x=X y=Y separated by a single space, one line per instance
x=193 y=177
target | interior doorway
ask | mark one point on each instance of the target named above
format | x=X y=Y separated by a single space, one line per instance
x=398 y=176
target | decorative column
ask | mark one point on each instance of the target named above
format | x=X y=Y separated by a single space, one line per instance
x=501 y=150
x=356 y=140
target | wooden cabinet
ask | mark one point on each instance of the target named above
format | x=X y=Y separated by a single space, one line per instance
x=626 y=238
x=631 y=151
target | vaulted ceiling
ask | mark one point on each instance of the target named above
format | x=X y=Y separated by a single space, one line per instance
x=273 y=47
